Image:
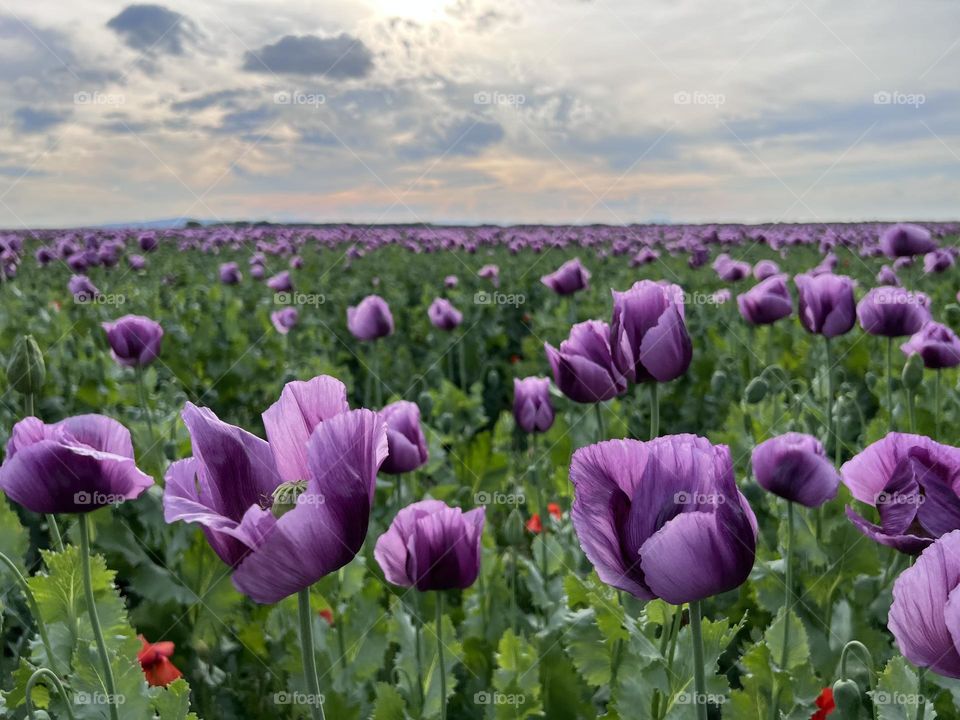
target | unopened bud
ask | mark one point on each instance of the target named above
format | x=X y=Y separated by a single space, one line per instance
x=26 y=370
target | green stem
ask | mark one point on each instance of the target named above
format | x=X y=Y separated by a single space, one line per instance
x=831 y=429
x=377 y=384
x=514 y=621
x=461 y=357
x=787 y=608
x=142 y=391
x=601 y=429
x=94 y=619
x=544 y=513
x=34 y=608
x=921 y=672
x=52 y=677
x=654 y=410
x=341 y=643
x=699 y=680
x=309 y=658
x=443 y=670
x=937 y=413
x=418 y=631
x=890 y=382
x=911 y=412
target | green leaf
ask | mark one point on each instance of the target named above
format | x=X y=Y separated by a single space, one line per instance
x=896 y=695
x=799 y=651
x=516 y=679
x=13 y=537
x=389 y=704
x=173 y=701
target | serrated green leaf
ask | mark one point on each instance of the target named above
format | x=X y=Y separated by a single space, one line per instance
x=799 y=650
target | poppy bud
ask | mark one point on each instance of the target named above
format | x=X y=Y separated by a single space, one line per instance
x=718 y=382
x=951 y=314
x=513 y=528
x=756 y=391
x=26 y=370
x=425 y=401
x=913 y=372
x=846 y=695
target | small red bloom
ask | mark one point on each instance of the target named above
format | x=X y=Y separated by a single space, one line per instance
x=554 y=510
x=155 y=660
x=327 y=614
x=534 y=525
x=514 y=359
x=825 y=703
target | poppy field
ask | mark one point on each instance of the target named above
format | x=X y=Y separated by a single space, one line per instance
x=411 y=472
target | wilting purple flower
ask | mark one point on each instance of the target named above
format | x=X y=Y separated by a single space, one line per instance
x=937 y=261
x=904 y=240
x=648 y=336
x=231 y=486
x=285 y=319
x=765 y=268
x=766 y=302
x=137 y=262
x=937 y=344
x=827 y=305
x=663 y=518
x=795 y=467
x=281 y=282
x=893 y=312
x=406 y=442
x=491 y=273
x=134 y=340
x=431 y=546
x=82 y=288
x=925 y=616
x=230 y=273
x=583 y=367
x=532 y=407
x=450 y=282
x=911 y=480
x=371 y=319
x=569 y=278
x=72 y=466
x=888 y=277
x=443 y=315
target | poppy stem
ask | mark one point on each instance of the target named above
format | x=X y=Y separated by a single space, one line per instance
x=377 y=383
x=890 y=382
x=52 y=677
x=699 y=679
x=32 y=602
x=831 y=429
x=544 y=512
x=462 y=361
x=654 y=410
x=921 y=672
x=443 y=670
x=514 y=623
x=142 y=391
x=601 y=430
x=936 y=416
x=94 y=618
x=309 y=658
x=418 y=631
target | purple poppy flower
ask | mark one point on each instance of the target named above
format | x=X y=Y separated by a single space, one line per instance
x=407 y=444
x=284 y=319
x=134 y=340
x=937 y=261
x=44 y=256
x=371 y=319
x=431 y=546
x=82 y=289
x=281 y=282
x=733 y=270
x=148 y=242
x=888 y=277
x=231 y=484
x=532 y=407
x=583 y=367
x=644 y=257
x=937 y=344
x=902 y=262
x=925 y=614
x=72 y=466
x=491 y=273
x=450 y=282
x=910 y=479
x=648 y=336
x=893 y=312
x=137 y=262
x=257 y=272
x=904 y=240
x=766 y=302
x=795 y=467
x=443 y=315
x=765 y=268
x=230 y=273
x=663 y=518
x=569 y=278
x=827 y=305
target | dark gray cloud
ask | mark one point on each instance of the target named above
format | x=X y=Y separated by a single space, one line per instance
x=37 y=120
x=340 y=57
x=153 y=29
x=221 y=98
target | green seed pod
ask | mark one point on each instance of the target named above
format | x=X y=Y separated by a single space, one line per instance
x=951 y=315
x=445 y=422
x=425 y=403
x=718 y=382
x=913 y=372
x=513 y=528
x=493 y=379
x=26 y=370
x=756 y=391
x=774 y=376
x=846 y=695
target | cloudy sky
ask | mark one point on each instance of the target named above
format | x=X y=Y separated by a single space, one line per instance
x=556 y=111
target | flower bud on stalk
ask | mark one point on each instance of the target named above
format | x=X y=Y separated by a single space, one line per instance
x=846 y=695
x=913 y=372
x=756 y=391
x=26 y=370
x=513 y=528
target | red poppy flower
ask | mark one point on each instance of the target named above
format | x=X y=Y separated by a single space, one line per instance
x=514 y=359
x=554 y=510
x=825 y=703
x=327 y=614
x=155 y=660
x=534 y=525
